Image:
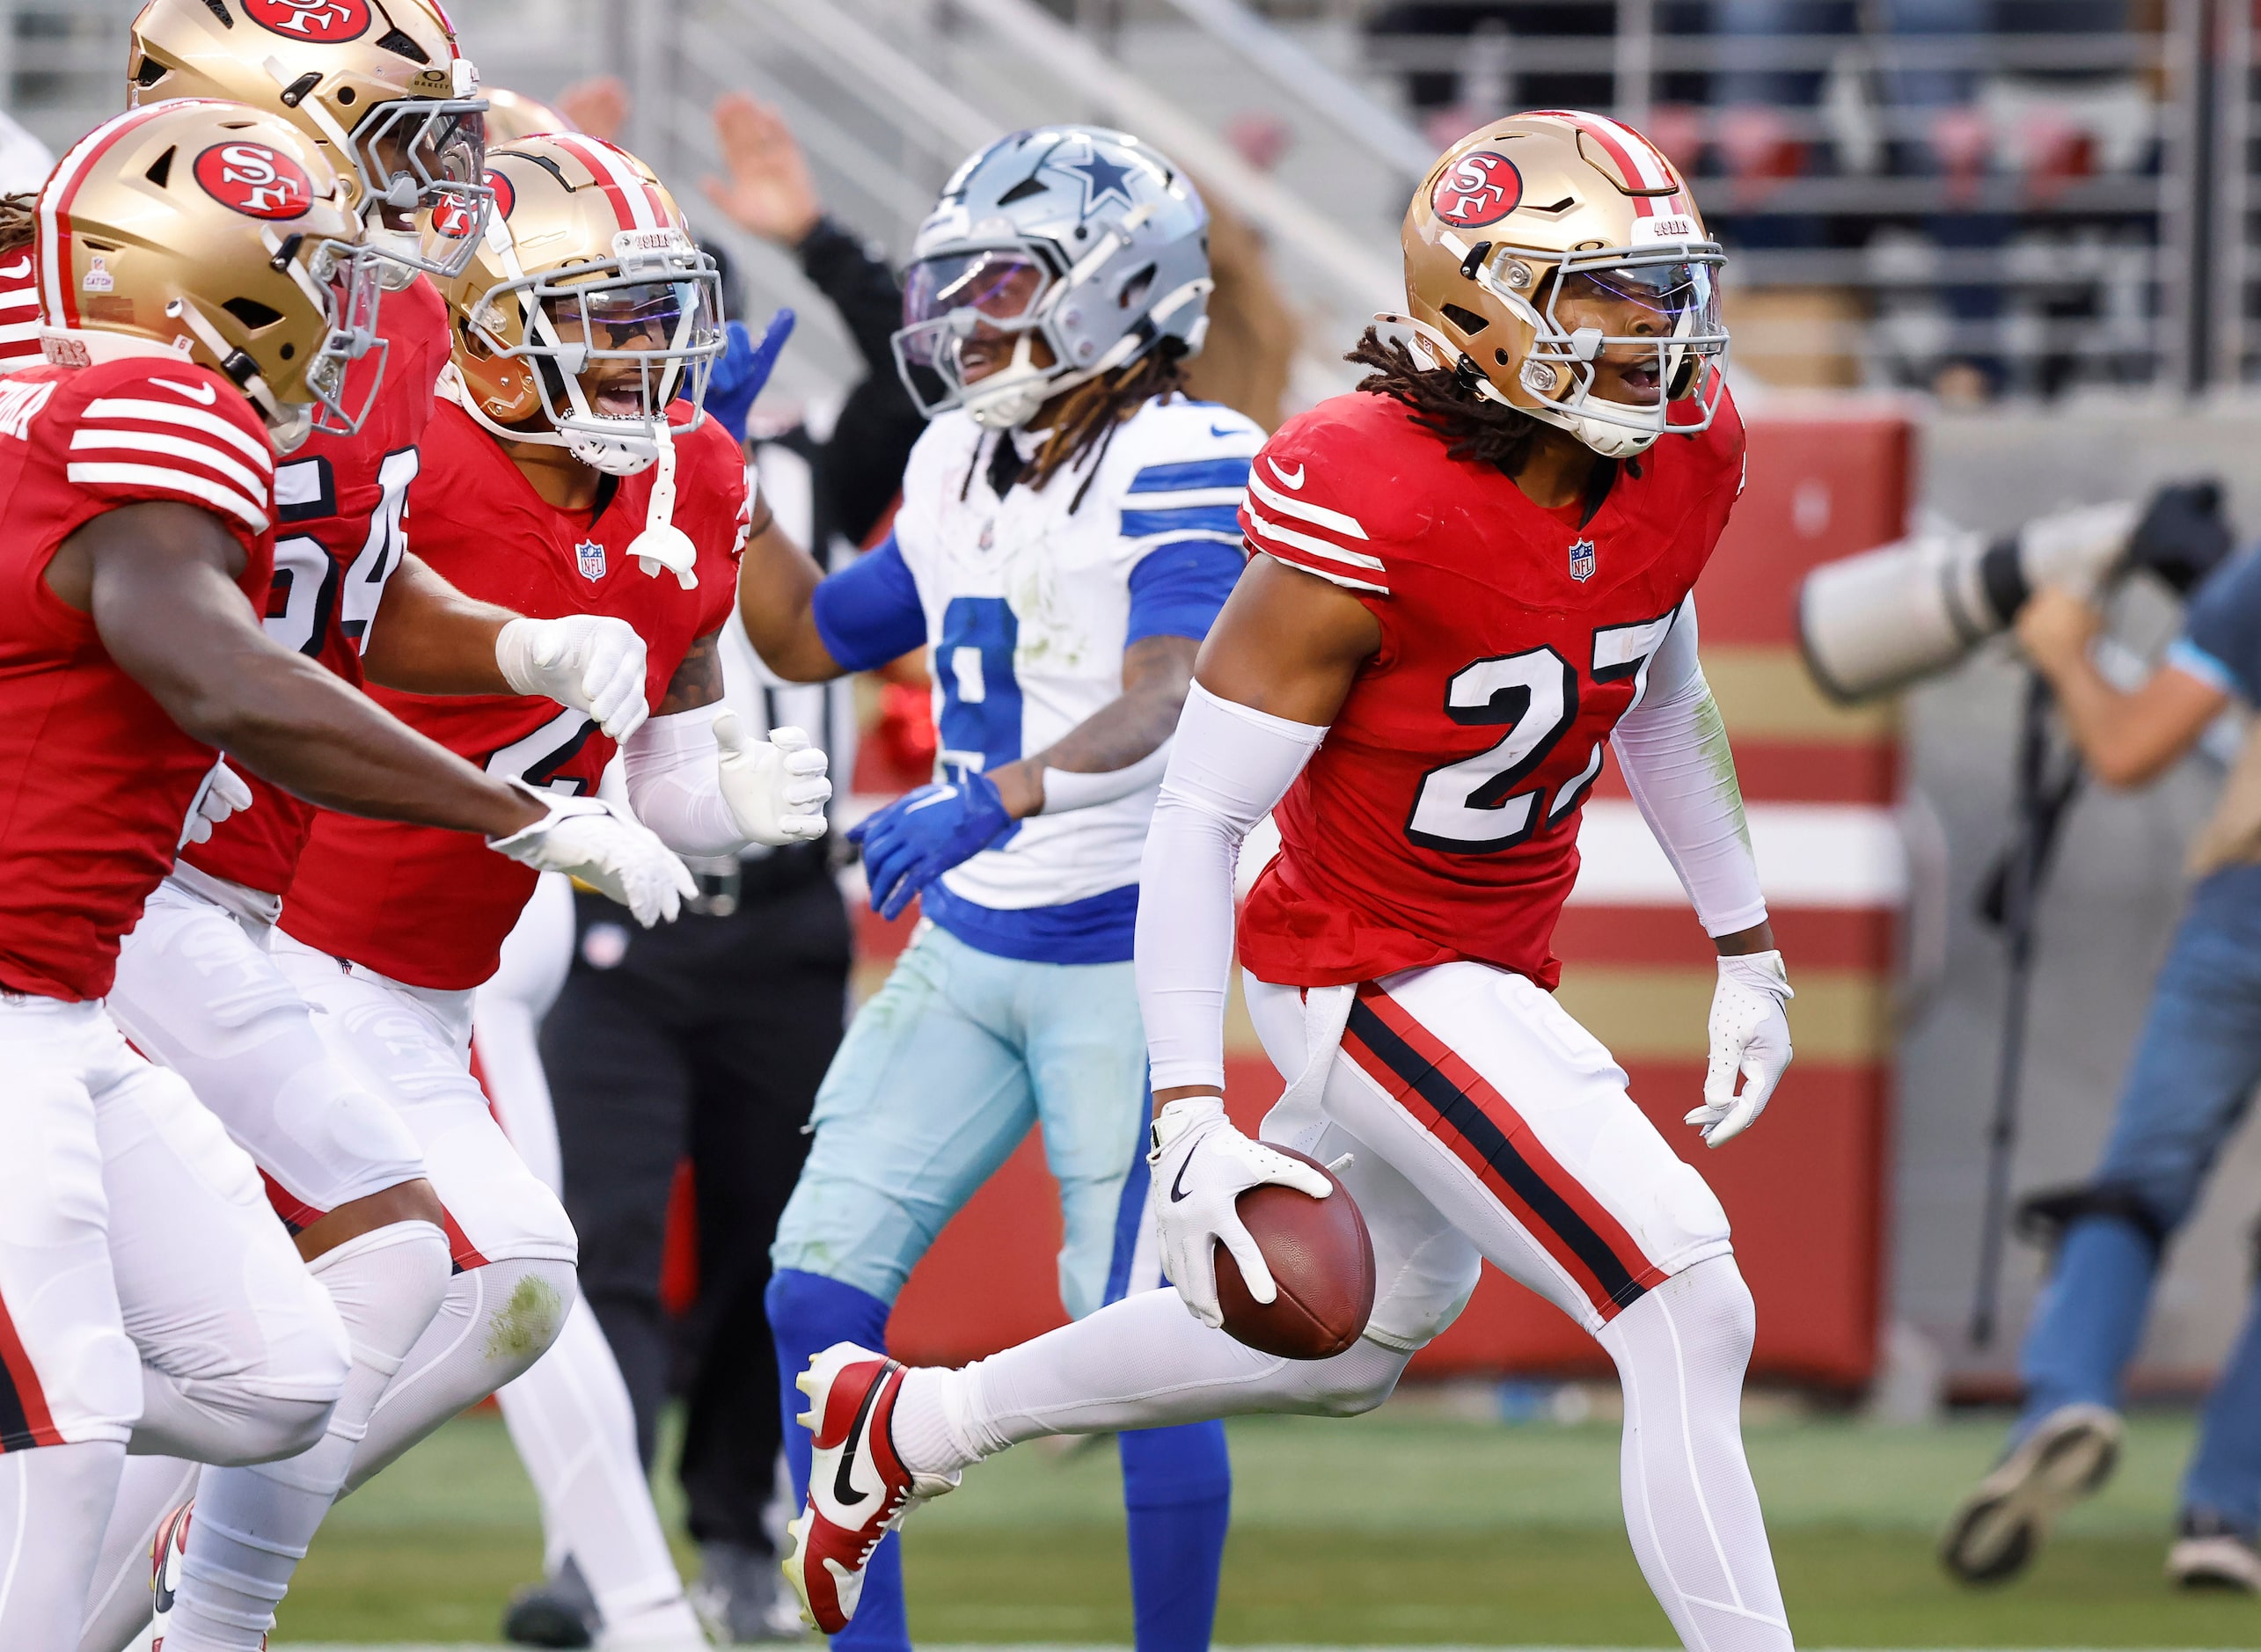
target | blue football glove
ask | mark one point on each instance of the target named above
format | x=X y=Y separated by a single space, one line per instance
x=744 y=368
x=921 y=834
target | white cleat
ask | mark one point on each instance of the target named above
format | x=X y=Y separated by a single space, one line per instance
x=2002 y=1525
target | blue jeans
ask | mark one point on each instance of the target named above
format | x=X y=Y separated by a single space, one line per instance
x=2195 y=1066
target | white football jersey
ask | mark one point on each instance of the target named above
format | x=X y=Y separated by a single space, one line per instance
x=1027 y=604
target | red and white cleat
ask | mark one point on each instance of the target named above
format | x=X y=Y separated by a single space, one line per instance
x=167 y=1553
x=858 y=1490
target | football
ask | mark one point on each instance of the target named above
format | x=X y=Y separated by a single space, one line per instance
x=1321 y=1258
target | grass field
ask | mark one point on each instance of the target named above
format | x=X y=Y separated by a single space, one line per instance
x=1399 y=1527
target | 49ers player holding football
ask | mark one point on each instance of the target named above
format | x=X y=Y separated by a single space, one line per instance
x=1471 y=576
x=203 y=292
x=561 y=478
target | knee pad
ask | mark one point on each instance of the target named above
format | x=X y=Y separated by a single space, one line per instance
x=1353 y=1381
x=270 y=1429
x=523 y=1312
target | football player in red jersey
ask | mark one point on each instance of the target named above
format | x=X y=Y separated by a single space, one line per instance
x=397 y=113
x=1471 y=576
x=205 y=294
x=561 y=478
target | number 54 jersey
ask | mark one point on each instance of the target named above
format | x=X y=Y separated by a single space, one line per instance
x=1439 y=818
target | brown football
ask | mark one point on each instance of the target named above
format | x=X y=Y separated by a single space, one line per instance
x=1321 y=1258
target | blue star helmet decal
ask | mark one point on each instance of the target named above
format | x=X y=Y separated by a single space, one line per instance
x=1102 y=178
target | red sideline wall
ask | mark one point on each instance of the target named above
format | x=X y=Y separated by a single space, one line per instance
x=1806 y=1190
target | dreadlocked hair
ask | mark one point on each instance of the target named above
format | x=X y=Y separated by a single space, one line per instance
x=17 y=216
x=1471 y=426
x=1092 y=412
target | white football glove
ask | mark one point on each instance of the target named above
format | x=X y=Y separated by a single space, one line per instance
x=222 y=794
x=1202 y=1165
x=588 y=838
x=586 y=661
x=775 y=788
x=1751 y=1035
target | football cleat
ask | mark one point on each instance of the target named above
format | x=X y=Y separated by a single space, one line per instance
x=2211 y=1552
x=167 y=1551
x=858 y=1490
x=2002 y=1525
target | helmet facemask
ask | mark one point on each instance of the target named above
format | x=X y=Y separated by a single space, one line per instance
x=646 y=325
x=978 y=304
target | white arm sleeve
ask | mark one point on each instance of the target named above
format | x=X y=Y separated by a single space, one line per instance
x=1673 y=748
x=1066 y=789
x=1228 y=767
x=675 y=783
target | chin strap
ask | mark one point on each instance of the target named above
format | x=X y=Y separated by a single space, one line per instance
x=662 y=544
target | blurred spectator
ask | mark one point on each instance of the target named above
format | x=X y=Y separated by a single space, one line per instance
x=2190 y=1083
x=598 y=106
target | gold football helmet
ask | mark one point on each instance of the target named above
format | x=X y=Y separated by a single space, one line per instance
x=217 y=232
x=586 y=304
x=1545 y=246
x=513 y=115
x=380 y=84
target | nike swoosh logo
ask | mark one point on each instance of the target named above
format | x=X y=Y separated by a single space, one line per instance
x=1288 y=478
x=22 y=266
x=844 y=1491
x=1177 y=1182
x=1222 y=430
x=204 y=395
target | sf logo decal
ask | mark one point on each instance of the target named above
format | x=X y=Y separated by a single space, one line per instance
x=256 y=180
x=1481 y=187
x=327 y=20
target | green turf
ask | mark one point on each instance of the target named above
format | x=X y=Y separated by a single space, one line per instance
x=1396 y=1527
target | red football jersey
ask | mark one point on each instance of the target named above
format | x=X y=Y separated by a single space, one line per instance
x=96 y=779
x=20 y=313
x=341 y=510
x=431 y=907
x=1439 y=819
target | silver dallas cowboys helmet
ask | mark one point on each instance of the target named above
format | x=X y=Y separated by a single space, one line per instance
x=1081 y=237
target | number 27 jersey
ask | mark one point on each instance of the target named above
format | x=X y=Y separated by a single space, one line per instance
x=1438 y=820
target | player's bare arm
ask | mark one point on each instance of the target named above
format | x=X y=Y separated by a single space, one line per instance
x=1128 y=730
x=428 y=638
x=157 y=579
x=777 y=592
x=698 y=681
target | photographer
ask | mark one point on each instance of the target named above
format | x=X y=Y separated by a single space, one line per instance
x=2195 y=1066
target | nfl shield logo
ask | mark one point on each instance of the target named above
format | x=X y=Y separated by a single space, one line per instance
x=591 y=557
x=1582 y=559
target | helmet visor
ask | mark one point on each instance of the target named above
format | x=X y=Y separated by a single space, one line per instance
x=1000 y=288
x=1677 y=297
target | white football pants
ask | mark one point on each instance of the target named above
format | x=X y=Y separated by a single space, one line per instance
x=147 y=1295
x=1484 y=1123
x=570 y=1415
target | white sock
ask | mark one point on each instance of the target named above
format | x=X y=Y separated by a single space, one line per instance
x=54 y=1500
x=252 y=1526
x=575 y=1427
x=1690 y=1507
x=1141 y=1362
x=495 y=1322
x=118 y=1605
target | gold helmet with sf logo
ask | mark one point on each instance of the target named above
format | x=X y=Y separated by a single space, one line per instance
x=217 y=233
x=1556 y=262
x=378 y=85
